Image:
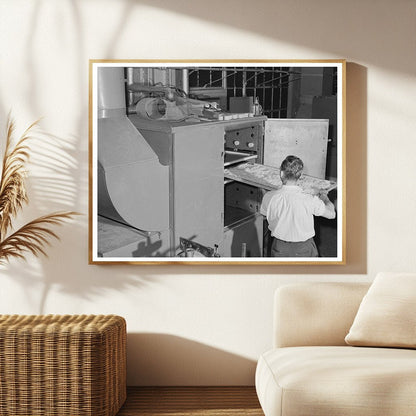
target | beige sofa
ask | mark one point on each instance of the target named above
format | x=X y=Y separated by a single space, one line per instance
x=311 y=371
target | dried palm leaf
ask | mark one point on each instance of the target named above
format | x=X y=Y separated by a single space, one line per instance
x=33 y=237
x=12 y=183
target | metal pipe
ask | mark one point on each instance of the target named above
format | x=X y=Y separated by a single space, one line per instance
x=129 y=81
x=111 y=92
x=185 y=80
x=130 y=75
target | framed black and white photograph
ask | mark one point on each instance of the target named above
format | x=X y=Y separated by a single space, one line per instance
x=225 y=162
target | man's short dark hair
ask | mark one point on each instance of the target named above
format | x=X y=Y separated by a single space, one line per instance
x=291 y=168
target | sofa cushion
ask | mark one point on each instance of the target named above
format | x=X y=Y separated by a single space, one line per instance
x=386 y=316
x=342 y=381
x=315 y=314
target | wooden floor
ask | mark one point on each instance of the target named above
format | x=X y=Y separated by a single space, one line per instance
x=191 y=401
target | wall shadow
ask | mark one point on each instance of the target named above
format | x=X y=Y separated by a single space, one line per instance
x=54 y=186
x=168 y=360
x=65 y=268
x=337 y=28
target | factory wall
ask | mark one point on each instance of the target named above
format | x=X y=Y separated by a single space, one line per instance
x=196 y=325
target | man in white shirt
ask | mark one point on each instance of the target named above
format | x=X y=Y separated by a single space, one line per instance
x=290 y=213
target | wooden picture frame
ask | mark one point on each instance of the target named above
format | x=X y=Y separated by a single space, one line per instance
x=182 y=152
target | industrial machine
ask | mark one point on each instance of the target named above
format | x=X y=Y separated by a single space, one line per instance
x=161 y=185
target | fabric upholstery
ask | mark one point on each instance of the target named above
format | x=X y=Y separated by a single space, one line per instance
x=337 y=381
x=315 y=313
x=387 y=314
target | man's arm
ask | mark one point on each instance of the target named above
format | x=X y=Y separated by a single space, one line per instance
x=329 y=207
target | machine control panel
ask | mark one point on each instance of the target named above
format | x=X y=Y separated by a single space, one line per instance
x=244 y=139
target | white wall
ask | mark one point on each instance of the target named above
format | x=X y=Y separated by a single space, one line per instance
x=196 y=324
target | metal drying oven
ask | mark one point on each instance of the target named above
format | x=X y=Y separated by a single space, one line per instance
x=243 y=224
x=209 y=215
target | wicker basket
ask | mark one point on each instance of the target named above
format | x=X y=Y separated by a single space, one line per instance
x=71 y=365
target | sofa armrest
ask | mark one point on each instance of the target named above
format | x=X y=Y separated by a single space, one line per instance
x=308 y=314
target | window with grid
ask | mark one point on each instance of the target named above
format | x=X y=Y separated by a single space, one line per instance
x=269 y=84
